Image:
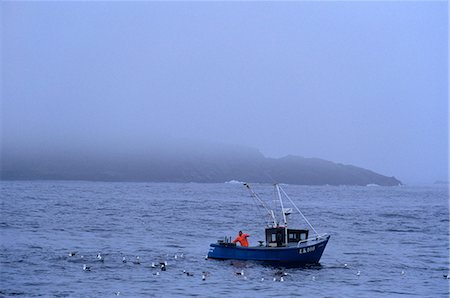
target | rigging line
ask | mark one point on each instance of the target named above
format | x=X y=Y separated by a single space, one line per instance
x=270 y=177
x=258 y=207
x=274 y=203
x=258 y=204
x=256 y=197
x=307 y=221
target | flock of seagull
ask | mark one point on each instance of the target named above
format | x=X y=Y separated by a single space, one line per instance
x=162 y=266
x=136 y=261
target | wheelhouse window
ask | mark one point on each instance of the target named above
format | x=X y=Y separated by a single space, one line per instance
x=297 y=235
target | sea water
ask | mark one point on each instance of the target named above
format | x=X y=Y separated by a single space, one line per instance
x=385 y=241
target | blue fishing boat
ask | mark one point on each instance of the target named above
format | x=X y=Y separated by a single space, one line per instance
x=283 y=246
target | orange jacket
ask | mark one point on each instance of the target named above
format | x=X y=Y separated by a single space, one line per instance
x=242 y=239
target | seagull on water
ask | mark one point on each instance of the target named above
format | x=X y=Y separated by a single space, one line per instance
x=72 y=253
x=203 y=277
x=447 y=276
x=281 y=273
x=313 y=278
x=156 y=273
x=124 y=260
x=137 y=261
x=188 y=273
x=153 y=265
x=100 y=258
x=240 y=273
x=86 y=268
x=281 y=279
x=163 y=266
x=358 y=273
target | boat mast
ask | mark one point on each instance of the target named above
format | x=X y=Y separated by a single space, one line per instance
x=281 y=203
x=282 y=212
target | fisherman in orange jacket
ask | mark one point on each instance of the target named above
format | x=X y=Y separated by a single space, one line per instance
x=242 y=239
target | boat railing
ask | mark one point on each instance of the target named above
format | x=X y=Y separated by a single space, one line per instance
x=316 y=238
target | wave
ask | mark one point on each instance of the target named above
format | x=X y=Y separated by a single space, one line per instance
x=234 y=182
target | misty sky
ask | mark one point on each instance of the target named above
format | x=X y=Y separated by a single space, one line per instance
x=358 y=83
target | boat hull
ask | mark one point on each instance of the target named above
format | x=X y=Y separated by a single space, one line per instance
x=306 y=253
